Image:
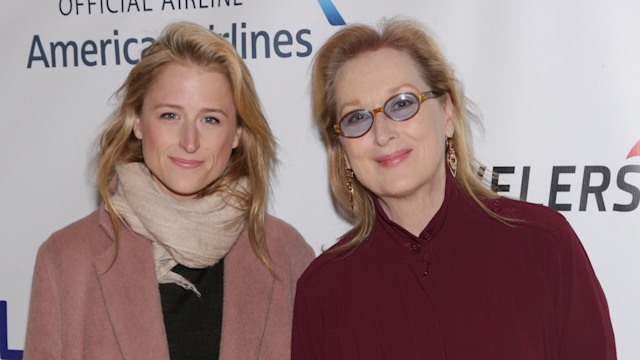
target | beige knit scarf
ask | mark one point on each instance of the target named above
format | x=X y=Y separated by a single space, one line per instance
x=195 y=233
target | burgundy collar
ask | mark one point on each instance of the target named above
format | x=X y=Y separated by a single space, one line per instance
x=403 y=237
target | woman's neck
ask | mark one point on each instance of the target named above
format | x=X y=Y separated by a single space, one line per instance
x=414 y=212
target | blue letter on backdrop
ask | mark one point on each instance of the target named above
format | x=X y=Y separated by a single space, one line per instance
x=331 y=12
x=5 y=353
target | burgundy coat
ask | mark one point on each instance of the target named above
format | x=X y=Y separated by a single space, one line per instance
x=82 y=309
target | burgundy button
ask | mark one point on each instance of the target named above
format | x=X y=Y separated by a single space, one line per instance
x=415 y=248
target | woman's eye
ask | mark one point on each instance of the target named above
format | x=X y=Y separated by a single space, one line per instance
x=356 y=118
x=210 y=120
x=169 y=116
x=402 y=106
x=402 y=103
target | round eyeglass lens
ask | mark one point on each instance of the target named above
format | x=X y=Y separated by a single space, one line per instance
x=402 y=107
x=356 y=123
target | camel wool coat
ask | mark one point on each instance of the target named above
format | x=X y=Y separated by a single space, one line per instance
x=84 y=307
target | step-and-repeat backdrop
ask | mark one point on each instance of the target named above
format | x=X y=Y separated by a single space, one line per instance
x=558 y=84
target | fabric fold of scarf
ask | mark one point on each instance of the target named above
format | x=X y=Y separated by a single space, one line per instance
x=196 y=233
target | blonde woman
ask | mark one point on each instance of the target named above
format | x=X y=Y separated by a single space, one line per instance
x=436 y=266
x=181 y=260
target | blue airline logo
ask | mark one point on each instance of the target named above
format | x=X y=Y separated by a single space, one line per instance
x=5 y=352
x=332 y=14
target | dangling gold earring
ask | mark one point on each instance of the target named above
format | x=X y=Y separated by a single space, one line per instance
x=452 y=160
x=350 y=177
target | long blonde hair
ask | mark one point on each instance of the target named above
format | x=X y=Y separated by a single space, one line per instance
x=191 y=44
x=407 y=36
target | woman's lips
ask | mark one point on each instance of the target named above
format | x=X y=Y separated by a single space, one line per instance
x=186 y=163
x=393 y=158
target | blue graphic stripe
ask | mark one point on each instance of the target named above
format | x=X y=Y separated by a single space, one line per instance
x=5 y=353
x=331 y=13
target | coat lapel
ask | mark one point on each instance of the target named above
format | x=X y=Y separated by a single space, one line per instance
x=248 y=288
x=131 y=295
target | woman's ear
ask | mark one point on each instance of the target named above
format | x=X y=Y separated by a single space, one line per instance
x=237 y=137
x=449 y=126
x=136 y=128
x=346 y=161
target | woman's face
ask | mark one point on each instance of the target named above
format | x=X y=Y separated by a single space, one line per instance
x=188 y=129
x=394 y=160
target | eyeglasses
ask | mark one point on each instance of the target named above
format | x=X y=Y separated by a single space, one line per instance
x=399 y=107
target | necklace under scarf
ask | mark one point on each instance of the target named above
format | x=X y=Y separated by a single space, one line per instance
x=195 y=233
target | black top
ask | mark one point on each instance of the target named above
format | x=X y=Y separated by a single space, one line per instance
x=193 y=323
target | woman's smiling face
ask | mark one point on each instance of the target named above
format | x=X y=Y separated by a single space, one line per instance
x=393 y=160
x=188 y=128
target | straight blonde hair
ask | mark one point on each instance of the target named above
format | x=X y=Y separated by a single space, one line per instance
x=193 y=45
x=410 y=37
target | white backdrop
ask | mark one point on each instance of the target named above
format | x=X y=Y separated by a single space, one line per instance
x=557 y=84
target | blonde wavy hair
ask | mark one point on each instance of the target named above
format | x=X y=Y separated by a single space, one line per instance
x=193 y=45
x=410 y=37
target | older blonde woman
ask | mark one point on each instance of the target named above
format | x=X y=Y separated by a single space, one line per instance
x=181 y=261
x=436 y=266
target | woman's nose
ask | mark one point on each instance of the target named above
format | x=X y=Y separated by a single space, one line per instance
x=383 y=129
x=189 y=140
